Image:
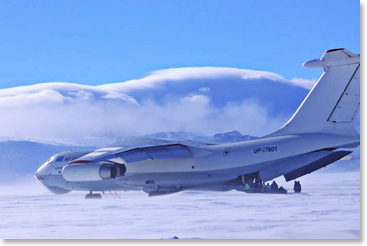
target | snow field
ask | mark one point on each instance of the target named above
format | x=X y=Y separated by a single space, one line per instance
x=327 y=208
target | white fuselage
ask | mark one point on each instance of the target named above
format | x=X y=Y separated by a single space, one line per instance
x=224 y=163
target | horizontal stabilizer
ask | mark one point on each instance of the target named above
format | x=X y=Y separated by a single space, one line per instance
x=333 y=57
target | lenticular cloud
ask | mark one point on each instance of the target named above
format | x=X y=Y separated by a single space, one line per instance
x=202 y=100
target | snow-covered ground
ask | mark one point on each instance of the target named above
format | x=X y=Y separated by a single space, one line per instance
x=328 y=207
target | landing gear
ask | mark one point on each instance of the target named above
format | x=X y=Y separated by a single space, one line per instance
x=254 y=184
x=93 y=196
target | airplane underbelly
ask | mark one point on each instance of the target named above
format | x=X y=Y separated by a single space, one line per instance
x=162 y=166
x=175 y=179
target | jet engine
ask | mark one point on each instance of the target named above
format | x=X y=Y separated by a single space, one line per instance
x=92 y=172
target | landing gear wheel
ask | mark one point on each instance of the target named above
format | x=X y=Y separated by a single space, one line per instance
x=93 y=196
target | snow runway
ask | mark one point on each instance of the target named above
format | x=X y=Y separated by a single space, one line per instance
x=328 y=207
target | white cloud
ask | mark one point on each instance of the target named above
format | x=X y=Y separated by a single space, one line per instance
x=160 y=77
x=200 y=100
x=66 y=90
x=46 y=97
x=204 y=89
x=305 y=83
x=82 y=95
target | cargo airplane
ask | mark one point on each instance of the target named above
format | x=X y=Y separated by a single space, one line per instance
x=319 y=133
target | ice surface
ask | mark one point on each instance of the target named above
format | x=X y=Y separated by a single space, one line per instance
x=328 y=207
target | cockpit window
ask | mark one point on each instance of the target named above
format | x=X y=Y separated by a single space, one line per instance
x=52 y=158
x=60 y=158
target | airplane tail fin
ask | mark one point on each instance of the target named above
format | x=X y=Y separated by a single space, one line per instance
x=333 y=103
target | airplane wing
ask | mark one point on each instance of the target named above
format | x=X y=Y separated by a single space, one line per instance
x=128 y=152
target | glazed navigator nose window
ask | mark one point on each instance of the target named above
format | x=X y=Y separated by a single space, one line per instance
x=51 y=159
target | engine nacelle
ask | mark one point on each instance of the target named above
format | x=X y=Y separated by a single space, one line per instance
x=92 y=172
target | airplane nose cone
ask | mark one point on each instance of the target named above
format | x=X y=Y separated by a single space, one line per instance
x=38 y=176
x=50 y=182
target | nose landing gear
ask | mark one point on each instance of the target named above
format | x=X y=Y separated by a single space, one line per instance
x=93 y=196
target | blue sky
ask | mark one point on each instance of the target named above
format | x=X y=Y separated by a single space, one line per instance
x=97 y=42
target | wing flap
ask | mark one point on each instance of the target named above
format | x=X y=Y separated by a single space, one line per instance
x=133 y=155
x=174 y=151
x=169 y=152
x=158 y=152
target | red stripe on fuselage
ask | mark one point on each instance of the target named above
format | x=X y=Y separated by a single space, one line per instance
x=80 y=162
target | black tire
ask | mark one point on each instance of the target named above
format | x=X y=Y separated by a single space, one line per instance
x=93 y=196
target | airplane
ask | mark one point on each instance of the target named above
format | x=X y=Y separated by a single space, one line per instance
x=319 y=133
